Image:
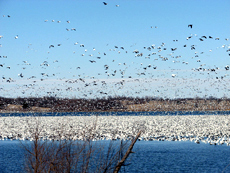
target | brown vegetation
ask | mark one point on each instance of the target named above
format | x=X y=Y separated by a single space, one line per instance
x=53 y=104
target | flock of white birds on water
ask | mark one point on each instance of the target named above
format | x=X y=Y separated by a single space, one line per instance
x=210 y=129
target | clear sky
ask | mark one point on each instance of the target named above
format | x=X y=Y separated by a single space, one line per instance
x=42 y=53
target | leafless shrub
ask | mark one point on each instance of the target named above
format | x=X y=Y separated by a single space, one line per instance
x=69 y=155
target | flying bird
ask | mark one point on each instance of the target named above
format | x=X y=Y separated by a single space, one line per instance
x=21 y=75
x=105 y=3
x=173 y=75
x=190 y=26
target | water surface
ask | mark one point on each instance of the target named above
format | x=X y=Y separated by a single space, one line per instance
x=149 y=156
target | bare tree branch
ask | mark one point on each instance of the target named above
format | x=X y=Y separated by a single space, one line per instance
x=121 y=163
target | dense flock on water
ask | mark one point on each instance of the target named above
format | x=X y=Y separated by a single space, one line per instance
x=212 y=129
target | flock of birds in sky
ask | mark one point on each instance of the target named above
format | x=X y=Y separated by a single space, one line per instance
x=149 y=53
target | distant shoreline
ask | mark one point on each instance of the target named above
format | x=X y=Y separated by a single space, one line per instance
x=120 y=104
x=150 y=113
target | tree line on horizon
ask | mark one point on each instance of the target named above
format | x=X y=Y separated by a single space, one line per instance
x=101 y=104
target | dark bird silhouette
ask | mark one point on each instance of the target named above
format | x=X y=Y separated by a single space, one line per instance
x=106 y=67
x=21 y=75
x=190 y=25
x=105 y=3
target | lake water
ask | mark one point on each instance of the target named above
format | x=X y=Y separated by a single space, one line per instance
x=149 y=156
x=160 y=113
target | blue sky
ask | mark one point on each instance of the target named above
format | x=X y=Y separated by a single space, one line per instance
x=134 y=25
